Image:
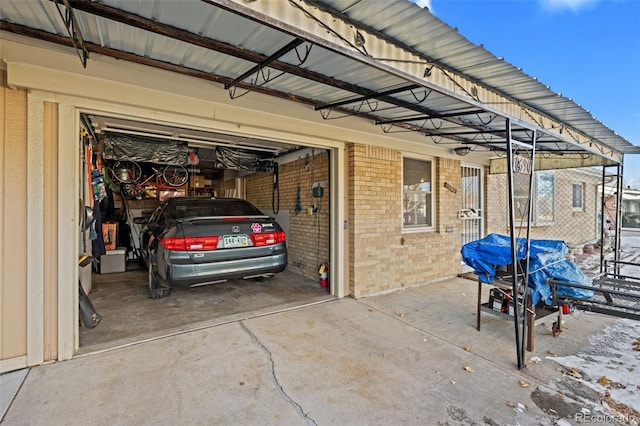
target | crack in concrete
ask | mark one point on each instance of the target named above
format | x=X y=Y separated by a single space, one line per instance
x=284 y=394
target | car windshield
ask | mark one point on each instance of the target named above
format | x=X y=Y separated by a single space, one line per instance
x=184 y=208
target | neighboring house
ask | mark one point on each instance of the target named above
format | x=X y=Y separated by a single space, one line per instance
x=565 y=204
x=384 y=138
x=630 y=208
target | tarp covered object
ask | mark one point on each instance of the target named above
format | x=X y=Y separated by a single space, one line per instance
x=235 y=159
x=547 y=259
x=124 y=147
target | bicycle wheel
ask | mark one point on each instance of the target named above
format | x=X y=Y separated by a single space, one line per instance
x=125 y=171
x=175 y=175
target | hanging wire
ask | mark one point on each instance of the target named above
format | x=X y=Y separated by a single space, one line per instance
x=358 y=46
x=298 y=207
x=275 y=196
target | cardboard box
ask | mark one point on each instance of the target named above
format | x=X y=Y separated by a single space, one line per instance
x=495 y=300
x=163 y=195
x=196 y=181
x=520 y=307
x=114 y=261
x=110 y=235
x=501 y=301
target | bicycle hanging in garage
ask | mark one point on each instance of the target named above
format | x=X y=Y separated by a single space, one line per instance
x=129 y=175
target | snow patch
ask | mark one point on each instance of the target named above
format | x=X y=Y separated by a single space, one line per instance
x=611 y=364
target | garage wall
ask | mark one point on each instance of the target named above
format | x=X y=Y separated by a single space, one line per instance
x=379 y=256
x=308 y=238
x=13 y=222
x=50 y=231
x=382 y=257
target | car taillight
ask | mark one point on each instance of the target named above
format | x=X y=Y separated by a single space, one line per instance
x=268 y=238
x=190 y=243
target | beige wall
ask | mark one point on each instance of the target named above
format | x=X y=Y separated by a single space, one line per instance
x=13 y=222
x=50 y=228
x=28 y=218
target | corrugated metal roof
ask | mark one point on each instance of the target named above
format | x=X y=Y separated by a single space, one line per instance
x=428 y=36
x=216 y=41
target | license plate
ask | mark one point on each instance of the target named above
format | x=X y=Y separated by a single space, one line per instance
x=231 y=241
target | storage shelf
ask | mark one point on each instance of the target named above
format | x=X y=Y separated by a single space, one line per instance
x=541 y=313
x=532 y=320
x=485 y=308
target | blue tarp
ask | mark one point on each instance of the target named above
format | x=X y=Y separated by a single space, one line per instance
x=547 y=259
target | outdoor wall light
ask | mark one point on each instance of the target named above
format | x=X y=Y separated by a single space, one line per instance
x=462 y=150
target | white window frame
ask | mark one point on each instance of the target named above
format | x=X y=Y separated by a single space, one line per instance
x=432 y=193
x=573 y=199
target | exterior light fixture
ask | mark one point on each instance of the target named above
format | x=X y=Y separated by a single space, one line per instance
x=462 y=150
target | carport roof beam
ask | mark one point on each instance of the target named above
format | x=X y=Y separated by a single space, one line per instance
x=75 y=35
x=367 y=97
x=290 y=46
x=431 y=116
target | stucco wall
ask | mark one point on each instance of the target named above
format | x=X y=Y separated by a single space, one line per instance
x=50 y=232
x=13 y=222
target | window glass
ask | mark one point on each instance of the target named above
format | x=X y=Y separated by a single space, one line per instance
x=417 y=195
x=545 y=198
x=577 y=196
x=543 y=202
x=521 y=195
x=182 y=208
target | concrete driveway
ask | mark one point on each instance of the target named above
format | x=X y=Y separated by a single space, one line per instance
x=408 y=357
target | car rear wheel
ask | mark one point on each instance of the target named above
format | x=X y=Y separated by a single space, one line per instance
x=263 y=278
x=155 y=291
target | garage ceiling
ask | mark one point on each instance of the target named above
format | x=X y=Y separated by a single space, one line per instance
x=195 y=138
x=391 y=63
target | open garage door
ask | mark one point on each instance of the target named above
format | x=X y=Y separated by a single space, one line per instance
x=287 y=182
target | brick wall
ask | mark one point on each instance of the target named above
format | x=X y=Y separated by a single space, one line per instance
x=573 y=227
x=382 y=257
x=308 y=237
x=496 y=203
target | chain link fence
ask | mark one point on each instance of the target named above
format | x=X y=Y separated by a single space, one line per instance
x=565 y=204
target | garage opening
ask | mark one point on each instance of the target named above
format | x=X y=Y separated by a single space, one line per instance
x=134 y=171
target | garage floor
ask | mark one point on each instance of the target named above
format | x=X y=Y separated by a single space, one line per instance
x=129 y=316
